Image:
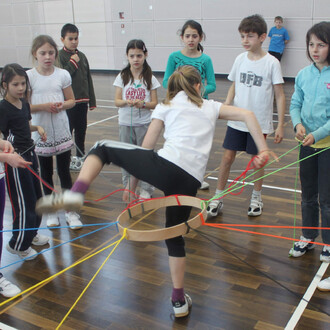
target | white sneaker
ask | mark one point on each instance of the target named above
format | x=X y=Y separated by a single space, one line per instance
x=181 y=309
x=8 y=289
x=68 y=200
x=73 y=220
x=214 y=208
x=144 y=194
x=255 y=207
x=40 y=240
x=325 y=254
x=52 y=219
x=204 y=186
x=301 y=247
x=76 y=163
x=29 y=253
x=324 y=285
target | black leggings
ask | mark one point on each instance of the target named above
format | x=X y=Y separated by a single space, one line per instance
x=78 y=122
x=147 y=166
x=63 y=170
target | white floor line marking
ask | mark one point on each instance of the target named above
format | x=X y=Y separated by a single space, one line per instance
x=6 y=327
x=268 y=169
x=100 y=100
x=264 y=185
x=101 y=121
x=107 y=106
x=307 y=296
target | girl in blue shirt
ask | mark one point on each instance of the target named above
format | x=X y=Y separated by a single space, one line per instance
x=310 y=113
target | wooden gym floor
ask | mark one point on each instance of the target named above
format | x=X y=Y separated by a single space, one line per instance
x=237 y=280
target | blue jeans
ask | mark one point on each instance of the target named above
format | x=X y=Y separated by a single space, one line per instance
x=315 y=186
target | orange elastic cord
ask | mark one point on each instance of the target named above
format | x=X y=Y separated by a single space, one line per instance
x=260 y=234
x=202 y=218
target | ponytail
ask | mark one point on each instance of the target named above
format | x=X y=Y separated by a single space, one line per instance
x=184 y=78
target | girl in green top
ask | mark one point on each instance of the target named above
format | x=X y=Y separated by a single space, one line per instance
x=192 y=54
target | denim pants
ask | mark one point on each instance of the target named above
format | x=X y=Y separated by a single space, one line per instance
x=315 y=186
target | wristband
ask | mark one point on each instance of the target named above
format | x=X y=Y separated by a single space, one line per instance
x=144 y=105
x=264 y=151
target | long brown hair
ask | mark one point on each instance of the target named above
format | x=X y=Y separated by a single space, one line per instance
x=196 y=26
x=184 y=78
x=146 y=74
x=8 y=74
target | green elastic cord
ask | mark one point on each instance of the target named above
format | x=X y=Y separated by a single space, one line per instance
x=295 y=198
x=266 y=175
x=232 y=188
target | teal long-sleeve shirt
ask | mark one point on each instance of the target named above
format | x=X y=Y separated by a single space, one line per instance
x=203 y=63
x=310 y=103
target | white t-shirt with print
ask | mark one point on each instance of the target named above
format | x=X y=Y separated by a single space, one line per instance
x=188 y=132
x=254 y=89
x=137 y=90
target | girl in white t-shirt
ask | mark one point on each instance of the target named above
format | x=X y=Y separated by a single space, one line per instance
x=178 y=168
x=136 y=96
x=51 y=95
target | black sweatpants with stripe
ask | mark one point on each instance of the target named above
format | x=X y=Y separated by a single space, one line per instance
x=24 y=190
x=147 y=166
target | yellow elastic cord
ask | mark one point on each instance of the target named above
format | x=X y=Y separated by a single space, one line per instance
x=92 y=279
x=59 y=273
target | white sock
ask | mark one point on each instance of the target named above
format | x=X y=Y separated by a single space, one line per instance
x=218 y=192
x=256 y=194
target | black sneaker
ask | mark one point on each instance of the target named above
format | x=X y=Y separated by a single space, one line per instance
x=180 y=308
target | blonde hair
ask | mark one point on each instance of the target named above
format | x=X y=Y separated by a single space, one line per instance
x=184 y=78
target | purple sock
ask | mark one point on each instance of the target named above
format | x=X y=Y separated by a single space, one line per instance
x=178 y=295
x=80 y=186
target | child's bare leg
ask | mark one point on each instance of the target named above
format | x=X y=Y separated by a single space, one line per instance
x=90 y=170
x=258 y=183
x=224 y=169
x=177 y=268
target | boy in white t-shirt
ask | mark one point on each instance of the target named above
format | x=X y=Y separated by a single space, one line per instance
x=256 y=77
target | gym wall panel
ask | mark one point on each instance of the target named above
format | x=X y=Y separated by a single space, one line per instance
x=24 y=57
x=36 y=13
x=121 y=8
x=23 y=35
x=322 y=10
x=92 y=34
x=222 y=9
x=144 y=30
x=158 y=57
x=167 y=33
x=122 y=33
x=88 y=11
x=98 y=57
x=142 y=10
x=175 y=9
x=58 y=11
x=6 y=16
x=21 y=14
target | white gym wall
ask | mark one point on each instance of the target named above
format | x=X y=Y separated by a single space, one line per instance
x=107 y=25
